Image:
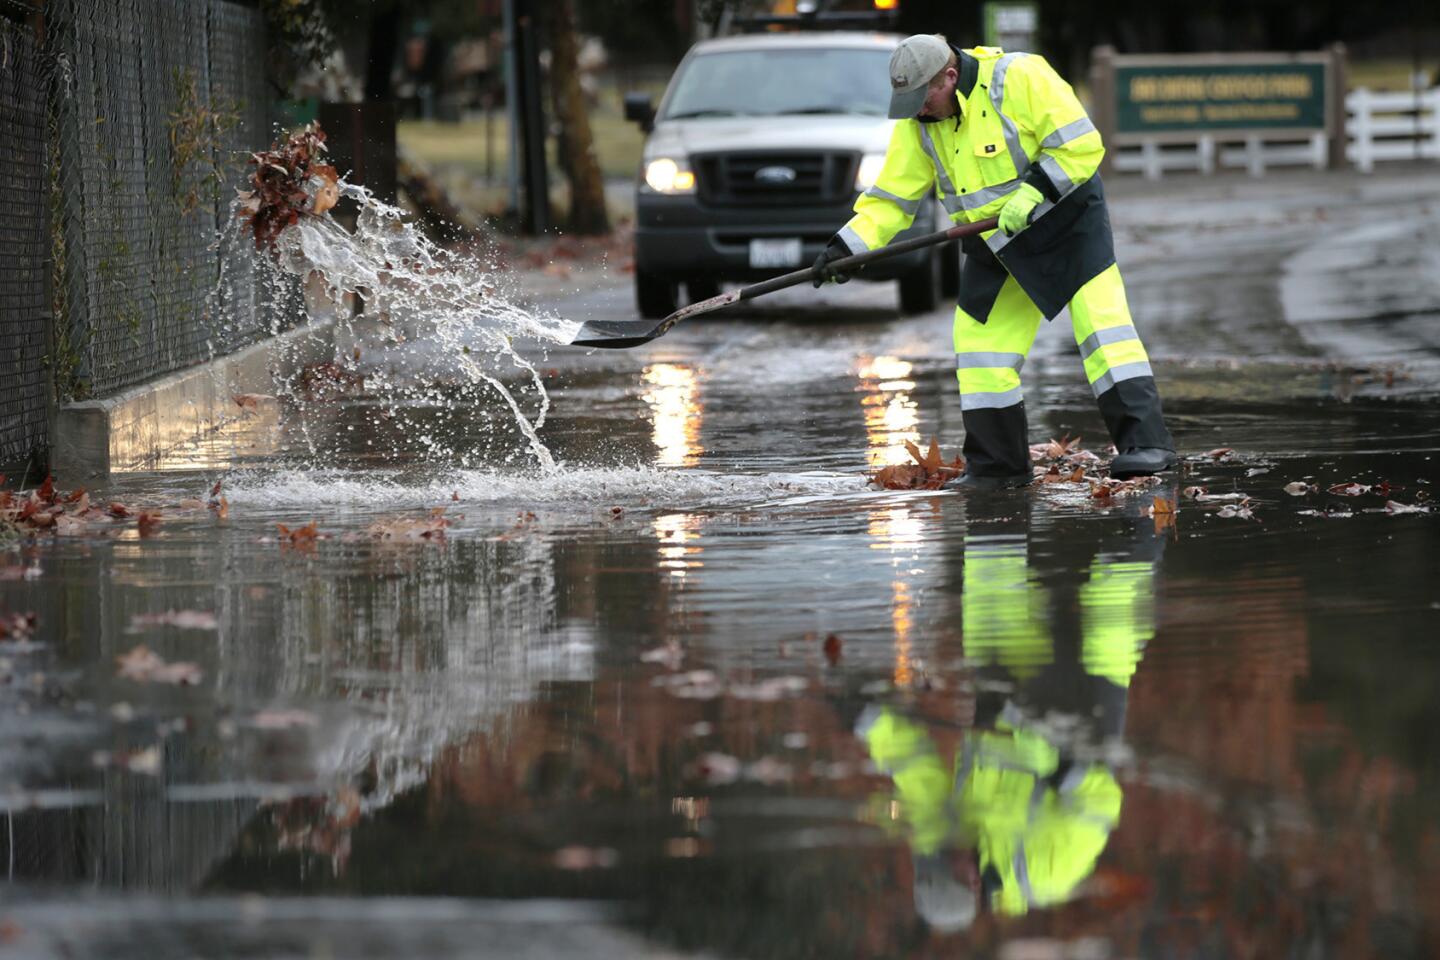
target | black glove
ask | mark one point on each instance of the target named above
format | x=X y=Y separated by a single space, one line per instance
x=822 y=271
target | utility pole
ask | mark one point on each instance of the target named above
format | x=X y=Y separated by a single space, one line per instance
x=527 y=110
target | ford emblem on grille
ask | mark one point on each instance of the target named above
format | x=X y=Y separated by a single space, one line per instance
x=775 y=175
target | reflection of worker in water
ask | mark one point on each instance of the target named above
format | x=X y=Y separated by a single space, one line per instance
x=1022 y=818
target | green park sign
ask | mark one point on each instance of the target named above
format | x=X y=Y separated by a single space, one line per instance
x=1201 y=96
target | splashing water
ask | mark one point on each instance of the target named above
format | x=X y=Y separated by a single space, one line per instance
x=405 y=280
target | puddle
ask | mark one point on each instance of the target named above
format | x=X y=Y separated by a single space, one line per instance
x=630 y=703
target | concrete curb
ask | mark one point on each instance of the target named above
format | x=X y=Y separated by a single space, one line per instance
x=134 y=430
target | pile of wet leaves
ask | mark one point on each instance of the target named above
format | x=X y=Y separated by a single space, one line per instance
x=290 y=180
x=930 y=471
x=46 y=510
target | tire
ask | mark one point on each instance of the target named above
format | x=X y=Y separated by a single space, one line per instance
x=655 y=297
x=920 y=288
x=697 y=290
x=950 y=271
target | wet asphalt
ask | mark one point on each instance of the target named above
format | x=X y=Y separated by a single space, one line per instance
x=612 y=710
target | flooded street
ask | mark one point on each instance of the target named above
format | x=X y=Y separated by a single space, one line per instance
x=702 y=691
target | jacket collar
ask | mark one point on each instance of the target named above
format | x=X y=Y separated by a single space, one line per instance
x=969 y=73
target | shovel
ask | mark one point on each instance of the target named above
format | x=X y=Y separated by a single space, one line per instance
x=632 y=333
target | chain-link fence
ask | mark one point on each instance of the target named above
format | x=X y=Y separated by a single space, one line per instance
x=23 y=240
x=158 y=104
x=124 y=127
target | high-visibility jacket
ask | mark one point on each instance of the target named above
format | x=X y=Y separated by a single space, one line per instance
x=1040 y=837
x=1018 y=122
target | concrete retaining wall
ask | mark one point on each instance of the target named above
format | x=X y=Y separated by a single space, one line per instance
x=137 y=429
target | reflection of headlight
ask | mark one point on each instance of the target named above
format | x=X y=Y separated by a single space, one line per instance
x=664 y=175
x=869 y=170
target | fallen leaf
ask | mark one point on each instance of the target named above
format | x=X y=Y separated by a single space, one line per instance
x=147 y=522
x=17 y=626
x=1351 y=489
x=1393 y=507
x=671 y=655
x=283 y=719
x=179 y=619
x=70 y=526
x=1194 y=493
x=299 y=536
x=409 y=529
x=221 y=508
x=585 y=858
x=1298 y=488
x=118 y=510
x=928 y=472
x=833 y=647
x=718 y=768
x=1220 y=453
x=146 y=666
x=250 y=401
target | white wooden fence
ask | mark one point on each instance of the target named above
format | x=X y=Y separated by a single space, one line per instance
x=1379 y=126
x=1392 y=126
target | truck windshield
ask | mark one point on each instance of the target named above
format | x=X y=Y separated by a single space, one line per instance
x=767 y=83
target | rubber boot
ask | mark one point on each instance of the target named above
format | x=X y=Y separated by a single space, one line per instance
x=1131 y=410
x=997 y=452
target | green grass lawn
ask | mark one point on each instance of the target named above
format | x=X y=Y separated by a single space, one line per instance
x=461 y=147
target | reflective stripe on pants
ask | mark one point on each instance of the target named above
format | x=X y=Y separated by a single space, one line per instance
x=1109 y=343
x=988 y=355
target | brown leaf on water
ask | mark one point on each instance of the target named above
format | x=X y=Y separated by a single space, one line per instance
x=299 y=536
x=1163 y=512
x=1102 y=490
x=283 y=719
x=221 y=508
x=930 y=471
x=179 y=619
x=576 y=858
x=146 y=666
x=834 y=646
x=71 y=526
x=118 y=510
x=1220 y=453
x=1351 y=489
x=148 y=522
x=410 y=529
x=215 y=490
x=250 y=401
x=17 y=626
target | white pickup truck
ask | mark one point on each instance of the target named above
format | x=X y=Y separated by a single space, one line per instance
x=755 y=155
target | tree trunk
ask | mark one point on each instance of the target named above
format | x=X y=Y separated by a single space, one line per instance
x=576 y=145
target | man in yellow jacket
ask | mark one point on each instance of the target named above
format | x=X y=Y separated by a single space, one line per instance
x=997 y=134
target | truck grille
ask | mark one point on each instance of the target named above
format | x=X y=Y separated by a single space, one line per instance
x=730 y=179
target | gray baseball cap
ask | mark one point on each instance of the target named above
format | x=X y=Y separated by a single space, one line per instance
x=912 y=66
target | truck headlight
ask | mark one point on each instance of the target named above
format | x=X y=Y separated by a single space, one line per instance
x=667 y=175
x=869 y=171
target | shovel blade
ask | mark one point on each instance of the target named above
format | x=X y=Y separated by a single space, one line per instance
x=618 y=334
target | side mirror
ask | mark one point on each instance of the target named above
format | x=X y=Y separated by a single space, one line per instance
x=639 y=109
